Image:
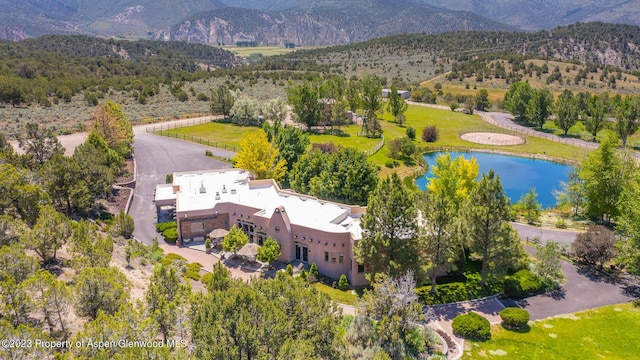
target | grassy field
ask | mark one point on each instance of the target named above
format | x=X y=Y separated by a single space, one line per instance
x=609 y=332
x=264 y=50
x=449 y=124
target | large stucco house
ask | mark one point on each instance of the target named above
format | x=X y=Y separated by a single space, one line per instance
x=309 y=230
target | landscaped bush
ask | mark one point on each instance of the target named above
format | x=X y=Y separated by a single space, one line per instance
x=343 y=283
x=161 y=227
x=458 y=291
x=472 y=326
x=514 y=318
x=170 y=235
x=430 y=134
x=411 y=133
x=522 y=283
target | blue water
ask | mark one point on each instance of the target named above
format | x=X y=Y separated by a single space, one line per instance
x=517 y=174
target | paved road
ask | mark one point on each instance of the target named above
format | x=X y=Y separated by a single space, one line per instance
x=157 y=156
x=584 y=289
x=528 y=232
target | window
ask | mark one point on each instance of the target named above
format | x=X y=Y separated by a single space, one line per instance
x=326 y=256
x=197 y=227
x=333 y=258
x=277 y=229
x=360 y=269
x=341 y=258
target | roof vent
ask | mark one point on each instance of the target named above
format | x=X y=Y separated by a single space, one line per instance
x=224 y=189
x=233 y=191
x=217 y=195
x=203 y=190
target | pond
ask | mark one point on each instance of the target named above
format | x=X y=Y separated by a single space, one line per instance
x=517 y=174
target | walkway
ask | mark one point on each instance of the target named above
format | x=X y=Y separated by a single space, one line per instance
x=441 y=317
x=208 y=260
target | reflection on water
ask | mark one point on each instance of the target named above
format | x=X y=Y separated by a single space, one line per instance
x=517 y=174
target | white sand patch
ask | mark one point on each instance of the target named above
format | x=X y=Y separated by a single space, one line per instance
x=548 y=326
x=617 y=309
x=489 y=138
x=497 y=352
x=553 y=336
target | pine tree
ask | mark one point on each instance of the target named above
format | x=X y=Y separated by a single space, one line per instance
x=491 y=236
x=389 y=241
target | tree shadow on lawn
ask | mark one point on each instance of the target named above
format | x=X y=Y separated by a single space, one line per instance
x=520 y=330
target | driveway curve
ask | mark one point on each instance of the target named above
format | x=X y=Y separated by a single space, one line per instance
x=157 y=156
x=528 y=233
x=585 y=288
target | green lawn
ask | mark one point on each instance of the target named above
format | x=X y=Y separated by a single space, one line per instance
x=449 y=124
x=609 y=332
x=348 y=138
x=349 y=297
x=219 y=134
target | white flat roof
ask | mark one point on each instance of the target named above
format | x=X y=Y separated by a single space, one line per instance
x=198 y=191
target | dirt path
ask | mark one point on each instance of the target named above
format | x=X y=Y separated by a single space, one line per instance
x=71 y=141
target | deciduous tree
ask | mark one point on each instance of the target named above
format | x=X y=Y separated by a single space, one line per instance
x=627 y=113
x=291 y=142
x=539 y=107
x=260 y=157
x=269 y=252
x=347 y=176
x=371 y=102
x=244 y=111
x=566 y=111
x=111 y=123
x=548 y=265
x=597 y=109
x=572 y=192
x=234 y=240
x=396 y=104
x=517 y=99
x=529 y=206
x=305 y=100
x=596 y=245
